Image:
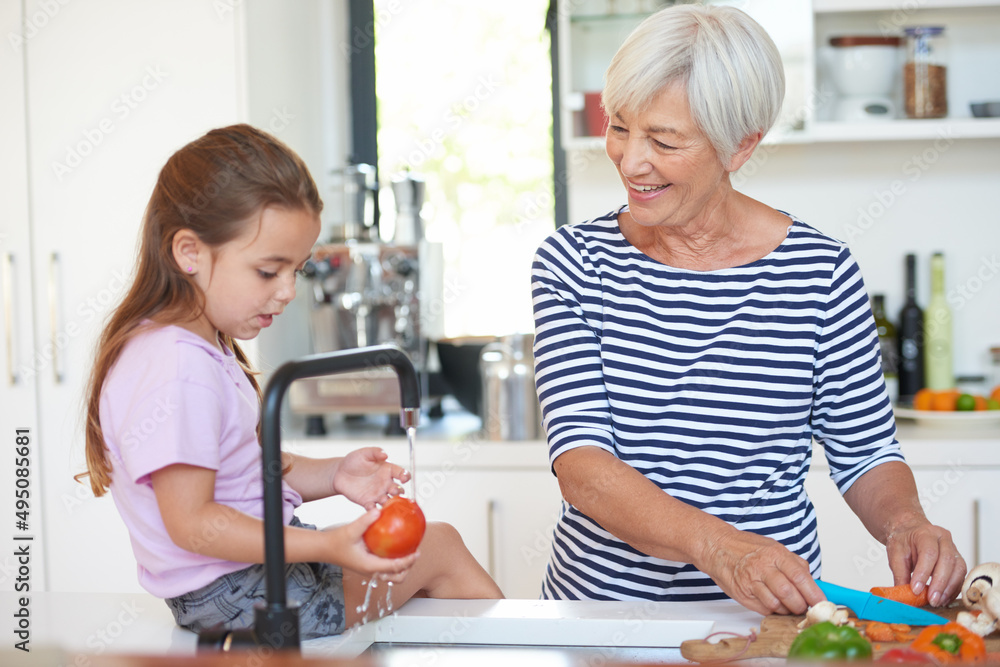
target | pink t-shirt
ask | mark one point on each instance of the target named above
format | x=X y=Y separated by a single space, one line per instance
x=174 y=398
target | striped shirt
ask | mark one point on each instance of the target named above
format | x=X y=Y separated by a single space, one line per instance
x=713 y=384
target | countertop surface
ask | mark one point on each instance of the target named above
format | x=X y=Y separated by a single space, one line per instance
x=79 y=624
x=456 y=439
x=457 y=425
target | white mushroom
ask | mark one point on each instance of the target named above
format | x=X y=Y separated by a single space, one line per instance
x=979 y=581
x=824 y=611
x=981 y=590
x=990 y=603
x=982 y=625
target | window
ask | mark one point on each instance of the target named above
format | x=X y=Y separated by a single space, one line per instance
x=465 y=100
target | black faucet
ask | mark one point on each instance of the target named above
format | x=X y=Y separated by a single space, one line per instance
x=276 y=623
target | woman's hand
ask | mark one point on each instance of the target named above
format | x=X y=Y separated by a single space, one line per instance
x=347 y=548
x=366 y=477
x=885 y=499
x=760 y=573
x=920 y=551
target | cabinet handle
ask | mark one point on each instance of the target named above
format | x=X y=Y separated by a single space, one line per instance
x=975 y=533
x=8 y=313
x=491 y=564
x=54 y=316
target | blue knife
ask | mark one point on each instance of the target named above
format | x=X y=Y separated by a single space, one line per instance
x=870 y=607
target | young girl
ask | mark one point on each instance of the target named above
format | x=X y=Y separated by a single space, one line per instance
x=173 y=407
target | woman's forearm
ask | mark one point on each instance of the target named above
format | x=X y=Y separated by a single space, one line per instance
x=885 y=498
x=634 y=509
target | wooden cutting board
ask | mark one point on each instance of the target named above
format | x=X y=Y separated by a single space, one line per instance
x=777 y=633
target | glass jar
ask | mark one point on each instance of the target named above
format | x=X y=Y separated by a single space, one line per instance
x=925 y=75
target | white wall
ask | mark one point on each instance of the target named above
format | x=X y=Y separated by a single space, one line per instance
x=884 y=199
x=297 y=88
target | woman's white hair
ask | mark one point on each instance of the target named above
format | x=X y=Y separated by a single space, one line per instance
x=728 y=64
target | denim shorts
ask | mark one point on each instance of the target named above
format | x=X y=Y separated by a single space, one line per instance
x=318 y=588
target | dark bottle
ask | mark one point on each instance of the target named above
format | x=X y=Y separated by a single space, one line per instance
x=911 y=338
x=888 y=345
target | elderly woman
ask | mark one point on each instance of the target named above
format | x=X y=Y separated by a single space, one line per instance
x=692 y=344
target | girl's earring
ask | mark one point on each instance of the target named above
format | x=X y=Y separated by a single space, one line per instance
x=190 y=269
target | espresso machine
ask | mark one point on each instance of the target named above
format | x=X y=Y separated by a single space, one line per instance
x=364 y=291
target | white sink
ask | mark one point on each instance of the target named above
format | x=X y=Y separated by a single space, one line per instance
x=543 y=623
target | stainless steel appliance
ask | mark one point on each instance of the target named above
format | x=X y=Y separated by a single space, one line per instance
x=408 y=191
x=358 y=189
x=363 y=292
x=509 y=409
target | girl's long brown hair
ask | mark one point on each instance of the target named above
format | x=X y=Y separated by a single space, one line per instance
x=214 y=186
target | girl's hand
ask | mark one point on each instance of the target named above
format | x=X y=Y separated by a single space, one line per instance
x=366 y=477
x=348 y=549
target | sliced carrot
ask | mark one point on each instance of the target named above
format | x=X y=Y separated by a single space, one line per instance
x=902 y=593
x=879 y=632
x=903 y=632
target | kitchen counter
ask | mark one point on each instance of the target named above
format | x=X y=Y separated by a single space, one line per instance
x=927 y=446
x=453 y=441
x=454 y=425
x=72 y=626
x=456 y=438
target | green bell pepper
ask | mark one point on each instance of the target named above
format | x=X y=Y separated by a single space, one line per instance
x=826 y=641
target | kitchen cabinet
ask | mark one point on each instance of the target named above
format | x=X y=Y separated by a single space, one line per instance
x=501 y=497
x=956 y=476
x=591 y=32
x=18 y=398
x=94 y=97
x=505 y=517
x=86 y=132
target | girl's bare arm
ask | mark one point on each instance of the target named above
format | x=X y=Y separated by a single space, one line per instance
x=185 y=495
x=365 y=476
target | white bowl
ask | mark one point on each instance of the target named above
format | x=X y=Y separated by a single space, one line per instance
x=864 y=70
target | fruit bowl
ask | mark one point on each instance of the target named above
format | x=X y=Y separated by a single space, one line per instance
x=938 y=419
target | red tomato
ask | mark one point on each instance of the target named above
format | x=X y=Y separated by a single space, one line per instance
x=906 y=656
x=398 y=529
